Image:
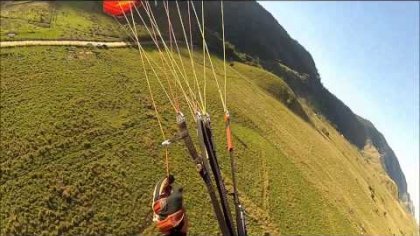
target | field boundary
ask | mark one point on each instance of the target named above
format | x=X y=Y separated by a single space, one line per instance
x=79 y=43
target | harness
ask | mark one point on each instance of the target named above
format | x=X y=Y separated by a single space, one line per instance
x=166 y=218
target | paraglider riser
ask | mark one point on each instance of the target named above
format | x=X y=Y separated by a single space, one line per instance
x=203 y=169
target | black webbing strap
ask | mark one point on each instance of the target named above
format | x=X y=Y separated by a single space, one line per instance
x=206 y=138
x=239 y=211
x=203 y=171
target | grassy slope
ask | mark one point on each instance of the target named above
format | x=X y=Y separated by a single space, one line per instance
x=80 y=153
x=60 y=20
x=337 y=169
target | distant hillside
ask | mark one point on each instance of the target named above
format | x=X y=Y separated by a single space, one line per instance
x=254 y=31
x=389 y=162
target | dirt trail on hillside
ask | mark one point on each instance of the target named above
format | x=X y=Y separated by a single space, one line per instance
x=5 y=44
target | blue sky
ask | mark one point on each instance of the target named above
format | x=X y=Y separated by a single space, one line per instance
x=367 y=54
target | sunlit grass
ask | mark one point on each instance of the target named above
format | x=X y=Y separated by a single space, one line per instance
x=80 y=152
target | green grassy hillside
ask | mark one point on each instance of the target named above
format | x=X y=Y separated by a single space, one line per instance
x=80 y=153
x=56 y=20
x=80 y=148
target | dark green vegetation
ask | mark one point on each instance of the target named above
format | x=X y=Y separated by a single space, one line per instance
x=80 y=153
x=80 y=148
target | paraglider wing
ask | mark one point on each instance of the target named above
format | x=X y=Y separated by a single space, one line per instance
x=119 y=8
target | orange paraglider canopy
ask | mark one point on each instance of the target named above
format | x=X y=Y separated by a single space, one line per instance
x=118 y=8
